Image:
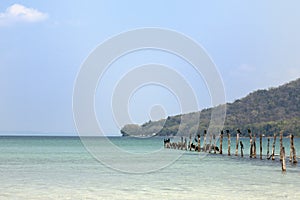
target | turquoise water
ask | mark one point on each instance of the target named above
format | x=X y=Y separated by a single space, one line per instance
x=61 y=168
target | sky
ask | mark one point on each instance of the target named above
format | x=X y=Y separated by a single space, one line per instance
x=43 y=44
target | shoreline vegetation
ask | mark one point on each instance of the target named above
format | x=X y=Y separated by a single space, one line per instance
x=265 y=112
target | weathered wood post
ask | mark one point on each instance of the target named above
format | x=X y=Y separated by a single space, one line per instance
x=185 y=143
x=181 y=145
x=280 y=140
x=190 y=142
x=260 y=146
x=268 y=149
x=221 y=142
x=242 y=147
x=254 y=146
x=204 y=141
x=293 y=157
x=283 y=164
x=199 y=142
x=273 y=147
x=251 y=144
x=291 y=149
x=228 y=135
x=294 y=152
x=214 y=138
x=237 y=142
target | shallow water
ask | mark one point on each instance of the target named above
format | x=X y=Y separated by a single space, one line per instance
x=61 y=168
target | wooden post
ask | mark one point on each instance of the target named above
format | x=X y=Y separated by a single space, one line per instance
x=283 y=164
x=181 y=145
x=260 y=146
x=204 y=142
x=242 y=147
x=254 y=146
x=221 y=142
x=185 y=147
x=293 y=157
x=198 y=142
x=237 y=142
x=190 y=142
x=251 y=144
x=273 y=147
x=291 y=149
x=268 y=149
x=228 y=135
x=294 y=152
x=214 y=138
x=280 y=140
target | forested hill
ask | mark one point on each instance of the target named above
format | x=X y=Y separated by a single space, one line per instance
x=263 y=111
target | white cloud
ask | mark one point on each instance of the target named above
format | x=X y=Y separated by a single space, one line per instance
x=19 y=13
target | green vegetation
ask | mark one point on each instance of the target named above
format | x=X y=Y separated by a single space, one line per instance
x=264 y=111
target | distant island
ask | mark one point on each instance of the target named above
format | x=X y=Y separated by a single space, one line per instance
x=265 y=112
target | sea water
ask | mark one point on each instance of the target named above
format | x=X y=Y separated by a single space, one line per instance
x=62 y=168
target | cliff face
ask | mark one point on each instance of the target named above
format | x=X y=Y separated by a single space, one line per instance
x=264 y=111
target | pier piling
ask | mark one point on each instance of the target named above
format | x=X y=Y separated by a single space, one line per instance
x=293 y=157
x=273 y=147
x=283 y=164
x=268 y=149
x=254 y=146
x=221 y=142
x=251 y=143
x=260 y=146
x=210 y=142
x=190 y=142
x=204 y=141
x=199 y=142
x=280 y=140
x=181 y=145
x=242 y=147
x=228 y=135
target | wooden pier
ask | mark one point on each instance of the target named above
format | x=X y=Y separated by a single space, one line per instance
x=212 y=147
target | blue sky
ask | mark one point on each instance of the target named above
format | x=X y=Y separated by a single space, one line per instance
x=254 y=44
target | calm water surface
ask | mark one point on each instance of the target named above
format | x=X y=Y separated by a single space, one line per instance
x=61 y=168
